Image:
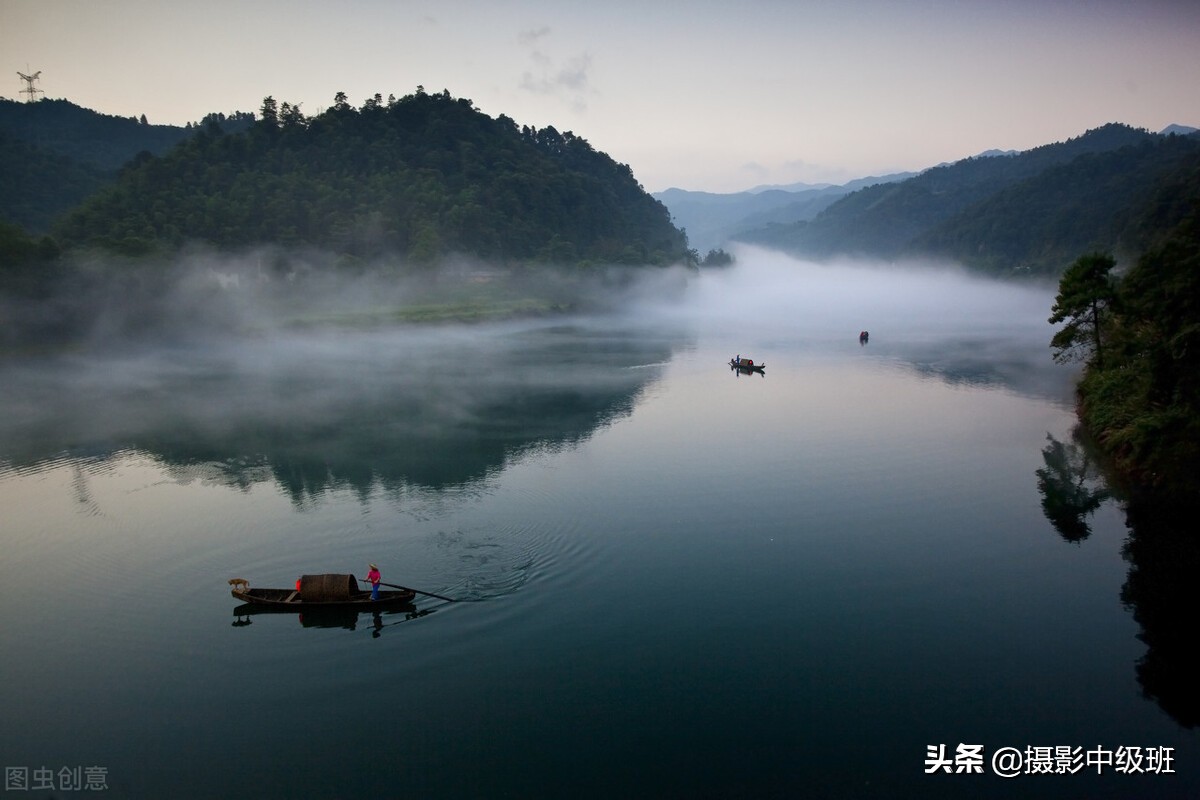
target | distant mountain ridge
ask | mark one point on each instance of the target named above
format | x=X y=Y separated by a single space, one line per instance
x=1178 y=130
x=977 y=211
x=712 y=220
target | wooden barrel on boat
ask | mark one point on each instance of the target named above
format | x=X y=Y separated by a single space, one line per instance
x=327 y=588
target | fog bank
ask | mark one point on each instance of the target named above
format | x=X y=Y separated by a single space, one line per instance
x=221 y=360
x=768 y=294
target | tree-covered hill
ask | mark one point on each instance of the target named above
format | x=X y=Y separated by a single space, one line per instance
x=1037 y=226
x=54 y=154
x=97 y=140
x=928 y=215
x=421 y=177
x=38 y=186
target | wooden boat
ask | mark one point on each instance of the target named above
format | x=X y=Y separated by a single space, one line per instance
x=321 y=592
x=746 y=364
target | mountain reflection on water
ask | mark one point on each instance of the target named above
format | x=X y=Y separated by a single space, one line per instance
x=335 y=410
x=436 y=408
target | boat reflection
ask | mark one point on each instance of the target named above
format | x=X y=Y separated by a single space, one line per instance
x=347 y=618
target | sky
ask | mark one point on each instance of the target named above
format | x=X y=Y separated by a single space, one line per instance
x=700 y=95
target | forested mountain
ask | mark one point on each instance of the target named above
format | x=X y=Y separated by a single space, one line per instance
x=98 y=140
x=1095 y=202
x=975 y=210
x=39 y=186
x=54 y=154
x=419 y=177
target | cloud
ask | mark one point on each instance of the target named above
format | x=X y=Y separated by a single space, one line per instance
x=530 y=38
x=567 y=79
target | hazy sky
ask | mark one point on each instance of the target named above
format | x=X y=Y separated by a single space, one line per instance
x=716 y=96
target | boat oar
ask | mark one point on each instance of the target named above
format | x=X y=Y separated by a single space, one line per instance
x=418 y=591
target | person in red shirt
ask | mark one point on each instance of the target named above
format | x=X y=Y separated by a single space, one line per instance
x=373 y=578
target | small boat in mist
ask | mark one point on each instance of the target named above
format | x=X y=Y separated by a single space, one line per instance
x=745 y=364
x=320 y=591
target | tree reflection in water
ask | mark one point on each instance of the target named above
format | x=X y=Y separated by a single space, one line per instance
x=1164 y=558
x=1071 y=486
x=1162 y=593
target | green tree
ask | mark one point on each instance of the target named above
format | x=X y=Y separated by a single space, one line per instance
x=269 y=111
x=717 y=258
x=1085 y=298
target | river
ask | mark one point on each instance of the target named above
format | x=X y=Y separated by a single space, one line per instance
x=837 y=578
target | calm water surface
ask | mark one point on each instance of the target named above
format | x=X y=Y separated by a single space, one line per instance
x=674 y=581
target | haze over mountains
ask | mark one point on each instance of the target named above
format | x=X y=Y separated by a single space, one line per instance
x=712 y=220
x=1005 y=212
x=428 y=175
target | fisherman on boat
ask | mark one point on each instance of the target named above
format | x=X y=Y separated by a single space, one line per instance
x=373 y=577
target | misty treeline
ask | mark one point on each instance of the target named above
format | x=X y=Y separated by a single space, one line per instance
x=423 y=187
x=419 y=178
x=1023 y=214
x=1138 y=332
x=102 y=300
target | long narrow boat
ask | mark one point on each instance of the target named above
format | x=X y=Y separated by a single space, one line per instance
x=321 y=591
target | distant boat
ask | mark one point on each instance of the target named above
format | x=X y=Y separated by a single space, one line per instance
x=746 y=365
x=320 y=591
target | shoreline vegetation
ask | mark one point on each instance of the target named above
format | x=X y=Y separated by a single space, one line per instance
x=1137 y=333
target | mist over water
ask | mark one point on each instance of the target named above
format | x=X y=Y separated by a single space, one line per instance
x=236 y=352
x=660 y=563
x=770 y=292
x=938 y=320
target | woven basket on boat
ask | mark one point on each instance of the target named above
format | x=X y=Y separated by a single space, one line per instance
x=316 y=588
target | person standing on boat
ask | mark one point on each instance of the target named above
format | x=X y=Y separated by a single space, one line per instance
x=373 y=578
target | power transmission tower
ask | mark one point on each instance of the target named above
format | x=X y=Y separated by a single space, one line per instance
x=29 y=87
